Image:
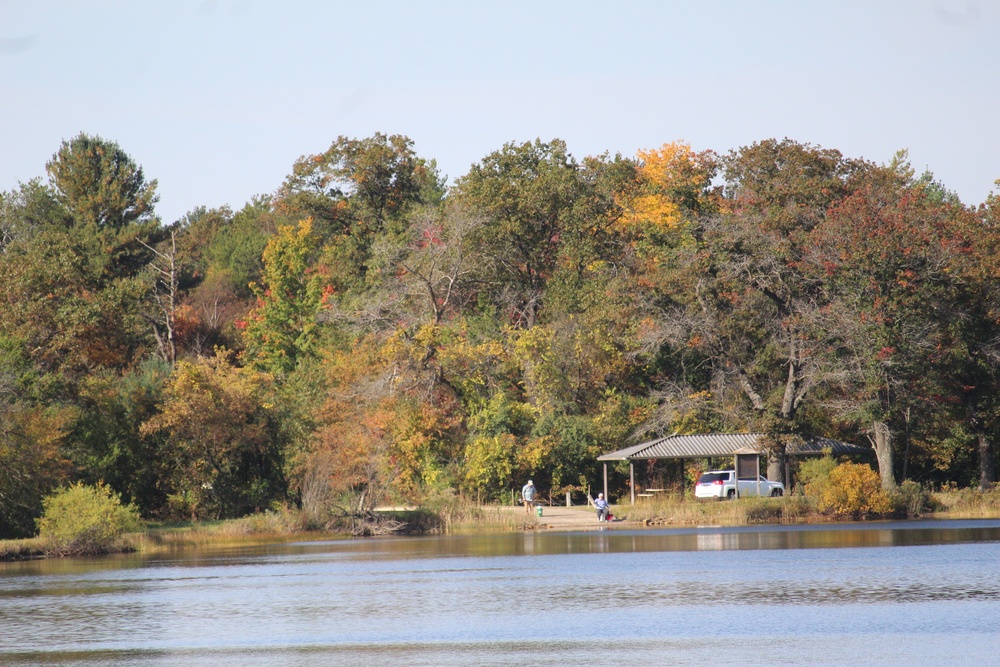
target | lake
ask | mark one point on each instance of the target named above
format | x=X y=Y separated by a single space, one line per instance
x=892 y=593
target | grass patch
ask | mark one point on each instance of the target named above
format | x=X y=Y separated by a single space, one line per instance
x=26 y=549
x=270 y=526
x=679 y=510
x=909 y=501
x=967 y=503
x=463 y=517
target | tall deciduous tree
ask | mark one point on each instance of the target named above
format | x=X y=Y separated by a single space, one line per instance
x=355 y=192
x=891 y=262
x=283 y=325
x=761 y=303
x=224 y=453
x=526 y=194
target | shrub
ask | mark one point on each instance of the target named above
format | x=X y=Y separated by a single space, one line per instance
x=763 y=510
x=814 y=474
x=853 y=490
x=911 y=499
x=83 y=520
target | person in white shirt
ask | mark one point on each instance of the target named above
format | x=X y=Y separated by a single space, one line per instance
x=602 y=507
x=528 y=496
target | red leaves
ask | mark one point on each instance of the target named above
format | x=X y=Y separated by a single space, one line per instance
x=885 y=353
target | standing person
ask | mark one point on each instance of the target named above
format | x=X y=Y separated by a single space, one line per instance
x=528 y=495
x=602 y=507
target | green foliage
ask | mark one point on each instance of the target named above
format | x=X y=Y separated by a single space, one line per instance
x=526 y=194
x=100 y=184
x=853 y=490
x=401 y=341
x=105 y=442
x=572 y=451
x=82 y=519
x=283 y=326
x=29 y=209
x=70 y=313
x=357 y=192
x=814 y=474
x=235 y=251
x=490 y=462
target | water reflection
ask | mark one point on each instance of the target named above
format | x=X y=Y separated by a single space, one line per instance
x=872 y=534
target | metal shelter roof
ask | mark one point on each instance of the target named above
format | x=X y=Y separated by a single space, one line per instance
x=712 y=445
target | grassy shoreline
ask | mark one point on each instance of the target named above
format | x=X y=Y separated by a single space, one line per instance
x=281 y=526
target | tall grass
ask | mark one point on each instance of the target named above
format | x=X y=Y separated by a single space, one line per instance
x=272 y=525
x=460 y=516
x=967 y=503
x=678 y=510
x=26 y=549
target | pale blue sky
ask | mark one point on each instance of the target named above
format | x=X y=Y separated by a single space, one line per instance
x=217 y=98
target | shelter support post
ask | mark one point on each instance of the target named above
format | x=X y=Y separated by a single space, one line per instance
x=631 y=479
x=606 y=496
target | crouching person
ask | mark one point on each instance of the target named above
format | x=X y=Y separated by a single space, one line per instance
x=601 y=505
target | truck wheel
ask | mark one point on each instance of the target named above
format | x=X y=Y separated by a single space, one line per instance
x=776 y=493
x=731 y=494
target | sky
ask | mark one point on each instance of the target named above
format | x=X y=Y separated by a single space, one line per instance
x=216 y=99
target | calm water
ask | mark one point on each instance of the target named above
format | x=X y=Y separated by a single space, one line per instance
x=923 y=593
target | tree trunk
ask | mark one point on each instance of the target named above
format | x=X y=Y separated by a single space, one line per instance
x=882 y=442
x=987 y=464
x=776 y=466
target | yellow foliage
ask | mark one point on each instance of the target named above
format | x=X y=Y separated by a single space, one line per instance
x=651 y=211
x=672 y=179
x=489 y=462
x=674 y=167
x=853 y=490
x=535 y=453
x=472 y=367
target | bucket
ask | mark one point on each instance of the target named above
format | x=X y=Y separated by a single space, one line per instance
x=538 y=511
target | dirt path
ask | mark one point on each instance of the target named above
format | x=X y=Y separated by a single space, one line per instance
x=569 y=518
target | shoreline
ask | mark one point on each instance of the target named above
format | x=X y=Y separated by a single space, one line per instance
x=490 y=519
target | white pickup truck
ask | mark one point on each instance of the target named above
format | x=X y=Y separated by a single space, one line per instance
x=721 y=484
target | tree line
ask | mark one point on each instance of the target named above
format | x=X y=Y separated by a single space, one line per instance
x=367 y=333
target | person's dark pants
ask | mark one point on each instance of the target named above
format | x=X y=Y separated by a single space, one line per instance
x=602 y=514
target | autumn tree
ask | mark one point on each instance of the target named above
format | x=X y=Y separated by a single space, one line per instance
x=223 y=451
x=283 y=325
x=355 y=192
x=672 y=183
x=738 y=294
x=32 y=463
x=70 y=314
x=526 y=195
x=984 y=353
x=217 y=256
x=892 y=261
